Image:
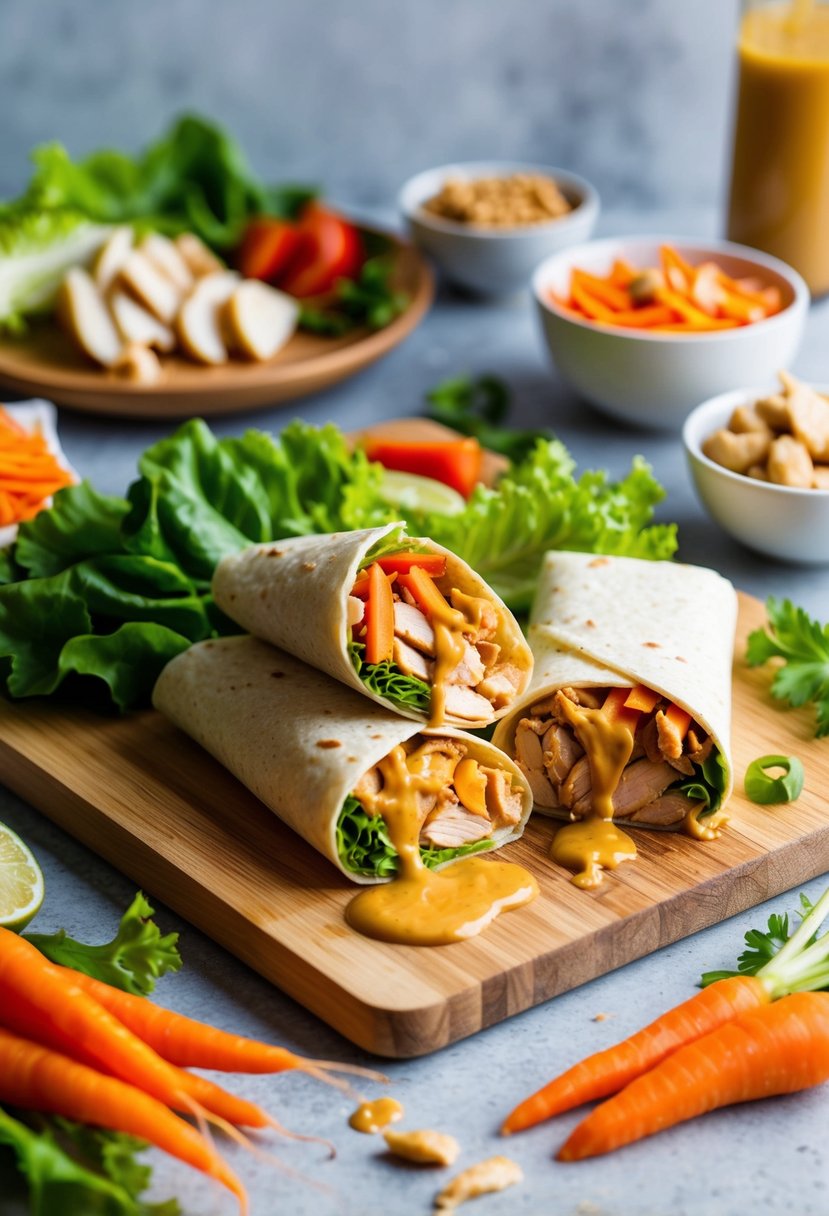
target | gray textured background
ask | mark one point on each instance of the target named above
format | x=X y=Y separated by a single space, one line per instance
x=359 y=94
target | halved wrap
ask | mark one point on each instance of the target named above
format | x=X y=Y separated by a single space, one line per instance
x=662 y=630
x=308 y=748
x=400 y=619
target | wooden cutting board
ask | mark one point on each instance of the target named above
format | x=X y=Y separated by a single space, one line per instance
x=164 y=812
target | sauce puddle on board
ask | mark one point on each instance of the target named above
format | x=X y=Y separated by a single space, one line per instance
x=419 y=907
x=373 y=1117
x=595 y=843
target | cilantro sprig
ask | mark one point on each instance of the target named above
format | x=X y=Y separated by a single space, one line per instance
x=803 y=644
x=136 y=957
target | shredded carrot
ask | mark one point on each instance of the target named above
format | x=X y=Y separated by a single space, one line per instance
x=608 y=1071
x=402 y=563
x=691 y=299
x=430 y=599
x=779 y=1048
x=29 y=473
x=362 y=587
x=615 y=707
x=36 y=1078
x=642 y=698
x=680 y=719
x=379 y=617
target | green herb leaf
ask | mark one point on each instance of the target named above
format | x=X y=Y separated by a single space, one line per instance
x=387 y=680
x=708 y=784
x=480 y=408
x=364 y=845
x=370 y=300
x=766 y=790
x=804 y=645
x=136 y=957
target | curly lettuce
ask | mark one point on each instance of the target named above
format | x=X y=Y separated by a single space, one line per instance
x=387 y=680
x=708 y=783
x=364 y=846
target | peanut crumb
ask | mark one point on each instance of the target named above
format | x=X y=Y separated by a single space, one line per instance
x=603 y=1017
x=494 y=1174
x=423 y=1147
x=499 y=202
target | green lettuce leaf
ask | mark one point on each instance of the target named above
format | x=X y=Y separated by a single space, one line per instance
x=36 y=250
x=136 y=957
x=71 y=1170
x=364 y=846
x=708 y=783
x=387 y=680
x=538 y=505
x=81 y=524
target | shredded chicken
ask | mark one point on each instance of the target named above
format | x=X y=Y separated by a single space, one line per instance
x=501 y=800
x=411 y=662
x=451 y=825
x=464 y=702
x=470 y=671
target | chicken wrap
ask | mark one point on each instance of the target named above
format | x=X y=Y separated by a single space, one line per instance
x=326 y=760
x=400 y=619
x=634 y=655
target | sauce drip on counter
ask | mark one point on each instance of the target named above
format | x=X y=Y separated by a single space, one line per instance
x=595 y=843
x=373 y=1117
x=419 y=907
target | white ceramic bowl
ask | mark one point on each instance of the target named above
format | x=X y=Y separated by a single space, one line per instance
x=495 y=261
x=788 y=524
x=651 y=379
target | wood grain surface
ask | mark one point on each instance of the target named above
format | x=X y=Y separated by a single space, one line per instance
x=161 y=810
x=46 y=363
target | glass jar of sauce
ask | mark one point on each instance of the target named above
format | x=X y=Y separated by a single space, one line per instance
x=779 y=199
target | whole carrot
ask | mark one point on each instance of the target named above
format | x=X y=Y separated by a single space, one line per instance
x=43 y=1002
x=608 y=1071
x=189 y=1043
x=777 y=1049
x=35 y=1078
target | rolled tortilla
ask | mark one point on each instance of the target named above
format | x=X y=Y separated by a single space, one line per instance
x=602 y=622
x=293 y=593
x=297 y=739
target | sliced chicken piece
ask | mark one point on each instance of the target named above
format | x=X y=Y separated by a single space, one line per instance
x=259 y=319
x=590 y=698
x=412 y=626
x=642 y=782
x=470 y=670
x=698 y=751
x=649 y=738
x=447 y=747
x=464 y=702
x=668 y=736
x=450 y=825
x=167 y=258
x=683 y=765
x=665 y=811
x=368 y=787
x=561 y=751
x=199 y=323
x=436 y=758
x=497 y=688
x=137 y=324
x=503 y=803
x=81 y=310
x=412 y=663
x=489 y=652
x=540 y=788
x=355 y=611
x=107 y=263
x=150 y=286
x=476 y=609
x=528 y=749
x=137 y=364
x=200 y=260
x=576 y=791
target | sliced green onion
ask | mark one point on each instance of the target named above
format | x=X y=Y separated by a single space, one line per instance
x=761 y=787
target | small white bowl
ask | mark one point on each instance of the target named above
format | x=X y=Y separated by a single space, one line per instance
x=788 y=524
x=495 y=261
x=651 y=379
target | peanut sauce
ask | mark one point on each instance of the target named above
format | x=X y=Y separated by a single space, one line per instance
x=373 y=1117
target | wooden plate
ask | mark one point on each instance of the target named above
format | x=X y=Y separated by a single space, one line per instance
x=46 y=364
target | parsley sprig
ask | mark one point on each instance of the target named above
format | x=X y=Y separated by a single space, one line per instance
x=804 y=645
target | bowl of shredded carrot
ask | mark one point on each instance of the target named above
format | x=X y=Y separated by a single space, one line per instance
x=32 y=464
x=645 y=328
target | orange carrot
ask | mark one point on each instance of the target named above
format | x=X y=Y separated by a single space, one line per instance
x=615 y=706
x=35 y=1078
x=29 y=472
x=679 y=718
x=590 y=306
x=646 y=317
x=362 y=586
x=622 y=273
x=678 y=273
x=642 y=698
x=402 y=563
x=379 y=617
x=608 y=1071
x=43 y=1002
x=603 y=290
x=778 y=1049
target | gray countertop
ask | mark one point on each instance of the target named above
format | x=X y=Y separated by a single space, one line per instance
x=767 y=1157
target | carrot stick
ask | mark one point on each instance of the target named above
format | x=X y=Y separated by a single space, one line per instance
x=615 y=707
x=402 y=563
x=603 y=290
x=590 y=306
x=622 y=273
x=678 y=718
x=608 y=1071
x=42 y=1002
x=35 y=1078
x=778 y=1049
x=379 y=617
x=643 y=318
x=678 y=273
x=642 y=698
x=362 y=586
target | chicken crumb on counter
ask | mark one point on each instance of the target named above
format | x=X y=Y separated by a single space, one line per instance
x=423 y=1147
x=494 y=1174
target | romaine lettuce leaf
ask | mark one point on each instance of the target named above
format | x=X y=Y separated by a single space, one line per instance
x=36 y=250
x=708 y=783
x=364 y=846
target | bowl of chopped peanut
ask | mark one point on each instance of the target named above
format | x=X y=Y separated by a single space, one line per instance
x=488 y=224
x=759 y=460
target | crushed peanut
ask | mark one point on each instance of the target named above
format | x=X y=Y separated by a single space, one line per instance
x=423 y=1147
x=494 y=1174
x=499 y=202
x=782 y=439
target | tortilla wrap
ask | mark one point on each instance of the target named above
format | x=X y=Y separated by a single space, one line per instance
x=296 y=738
x=293 y=593
x=617 y=621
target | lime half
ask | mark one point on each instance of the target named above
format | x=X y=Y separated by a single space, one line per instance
x=416 y=493
x=21 y=882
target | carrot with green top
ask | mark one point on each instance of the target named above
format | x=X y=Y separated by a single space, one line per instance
x=43 y=1002
x=777 y=1049
x=35 y=1078
x=801 y=964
